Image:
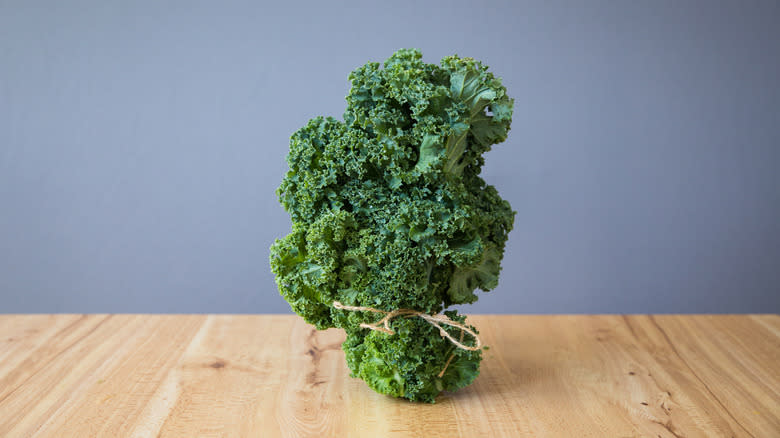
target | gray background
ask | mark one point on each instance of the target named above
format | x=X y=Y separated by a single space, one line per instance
x=141 y=143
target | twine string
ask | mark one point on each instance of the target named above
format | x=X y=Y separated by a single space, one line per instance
x=383 y=325
x=452 y=356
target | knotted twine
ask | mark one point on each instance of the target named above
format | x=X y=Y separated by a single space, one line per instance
x=383 y=325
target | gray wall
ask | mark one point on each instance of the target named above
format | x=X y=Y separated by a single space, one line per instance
x=141 y=143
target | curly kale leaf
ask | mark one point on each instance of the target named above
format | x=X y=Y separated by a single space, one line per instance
x=389 y=211
x=408 y=363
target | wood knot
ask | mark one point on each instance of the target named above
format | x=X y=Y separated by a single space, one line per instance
x=217 y=364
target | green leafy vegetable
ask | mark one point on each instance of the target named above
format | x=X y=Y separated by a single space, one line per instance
x=389 y=211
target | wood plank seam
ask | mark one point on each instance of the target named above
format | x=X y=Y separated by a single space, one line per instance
x=709 y=390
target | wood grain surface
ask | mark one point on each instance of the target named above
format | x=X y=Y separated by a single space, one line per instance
x=272 y=375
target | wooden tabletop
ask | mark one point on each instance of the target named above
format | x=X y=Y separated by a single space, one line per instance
x=272 y=375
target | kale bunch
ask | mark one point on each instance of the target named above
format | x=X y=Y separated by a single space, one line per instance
x=389 y=211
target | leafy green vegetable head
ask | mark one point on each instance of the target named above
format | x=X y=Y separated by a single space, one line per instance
x=389 y=211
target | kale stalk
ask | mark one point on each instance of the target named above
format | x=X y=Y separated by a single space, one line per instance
x=389 y=212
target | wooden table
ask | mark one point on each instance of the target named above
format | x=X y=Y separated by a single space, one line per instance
x=272 y=375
